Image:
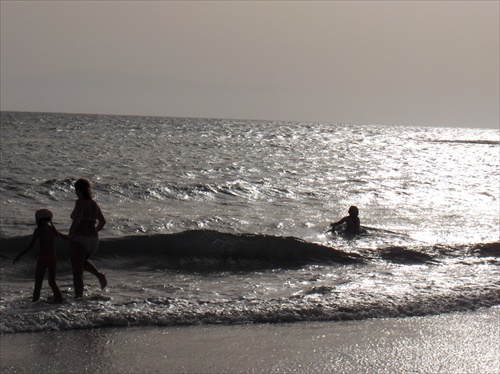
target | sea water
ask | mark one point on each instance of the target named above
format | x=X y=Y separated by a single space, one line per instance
x=215 y=221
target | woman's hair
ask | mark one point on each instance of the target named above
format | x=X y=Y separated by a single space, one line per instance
x=84 y=186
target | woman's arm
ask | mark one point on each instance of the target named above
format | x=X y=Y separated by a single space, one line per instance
x=63 y=236
x=76 y=216
x=100 y=219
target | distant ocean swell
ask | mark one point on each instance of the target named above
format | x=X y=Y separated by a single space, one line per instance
x=156 y=191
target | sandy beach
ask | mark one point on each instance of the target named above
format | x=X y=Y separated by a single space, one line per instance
x=451 y=343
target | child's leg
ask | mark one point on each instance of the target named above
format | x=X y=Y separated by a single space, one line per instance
x=39 y=274
x=52 y=282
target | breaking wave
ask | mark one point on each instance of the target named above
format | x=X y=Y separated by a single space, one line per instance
x=201 y=250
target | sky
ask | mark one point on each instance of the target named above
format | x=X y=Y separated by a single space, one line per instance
x=429 y=63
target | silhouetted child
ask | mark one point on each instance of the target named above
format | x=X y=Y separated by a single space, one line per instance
x=46 y=233
x=352 y=223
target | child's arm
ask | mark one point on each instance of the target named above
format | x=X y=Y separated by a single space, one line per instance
x=30 y=246
x=335 y=224
x=60 y=235
x=63 y=236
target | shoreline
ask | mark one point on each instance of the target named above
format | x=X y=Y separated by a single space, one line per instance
x=447 y=343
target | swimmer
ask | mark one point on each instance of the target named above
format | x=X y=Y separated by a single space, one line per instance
x=351 y=222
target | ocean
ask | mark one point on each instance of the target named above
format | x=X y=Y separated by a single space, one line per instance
x=213 y=221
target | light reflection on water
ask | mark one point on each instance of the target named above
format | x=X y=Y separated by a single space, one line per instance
x=422 y=189
x=169 y=175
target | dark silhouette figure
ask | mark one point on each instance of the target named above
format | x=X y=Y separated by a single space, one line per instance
x=46 y=234
x=351 y=222
x=85 y=236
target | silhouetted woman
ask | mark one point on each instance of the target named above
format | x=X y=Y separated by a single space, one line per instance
x=85 y=235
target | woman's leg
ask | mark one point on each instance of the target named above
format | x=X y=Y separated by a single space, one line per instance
x=90 y=267
x=53 y=284
x=77 y=260
x=39 y=275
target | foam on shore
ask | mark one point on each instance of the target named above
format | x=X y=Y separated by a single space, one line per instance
x=447 y=343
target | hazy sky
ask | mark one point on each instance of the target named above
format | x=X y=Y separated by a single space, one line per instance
x=385 y=62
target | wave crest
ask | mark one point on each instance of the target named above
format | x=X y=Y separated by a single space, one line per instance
x=207 y=250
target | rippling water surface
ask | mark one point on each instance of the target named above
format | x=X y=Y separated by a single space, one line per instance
x=428 y=192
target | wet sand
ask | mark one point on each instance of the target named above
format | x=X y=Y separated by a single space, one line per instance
x=451 y=343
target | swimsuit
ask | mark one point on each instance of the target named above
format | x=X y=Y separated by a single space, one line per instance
x=47 y=259
x=90 y=208
x=90 y=243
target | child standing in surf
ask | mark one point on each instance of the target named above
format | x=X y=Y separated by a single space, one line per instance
x=46 y=233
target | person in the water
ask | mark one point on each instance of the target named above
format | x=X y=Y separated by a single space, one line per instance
x=46 y=234
x=351 y=222
x=84 y=232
